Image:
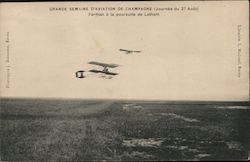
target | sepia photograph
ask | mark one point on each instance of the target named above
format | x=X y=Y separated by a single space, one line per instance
x=83 y=130
x=124 y=81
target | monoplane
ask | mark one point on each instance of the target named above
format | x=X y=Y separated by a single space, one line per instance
x=129 y=51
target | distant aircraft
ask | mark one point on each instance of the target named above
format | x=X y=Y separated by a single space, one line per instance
x=105 y=68
x=129 y=51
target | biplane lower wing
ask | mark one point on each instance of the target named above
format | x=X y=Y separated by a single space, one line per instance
x=104 y=72
x=103 y=64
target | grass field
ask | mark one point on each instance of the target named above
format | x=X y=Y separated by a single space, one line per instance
x=78 y=130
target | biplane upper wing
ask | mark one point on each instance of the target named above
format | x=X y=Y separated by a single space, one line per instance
x=103 y=64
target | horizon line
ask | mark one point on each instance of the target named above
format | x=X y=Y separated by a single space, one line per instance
x=128 y=100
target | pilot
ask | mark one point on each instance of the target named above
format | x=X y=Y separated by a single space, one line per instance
x=106 y=70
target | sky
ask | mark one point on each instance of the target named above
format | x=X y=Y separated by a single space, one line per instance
x=189 y=55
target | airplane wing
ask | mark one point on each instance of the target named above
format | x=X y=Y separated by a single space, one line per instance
x=100 y=71
x=124 y=50
x=103 y=64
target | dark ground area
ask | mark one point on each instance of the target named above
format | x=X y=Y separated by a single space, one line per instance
x=121 y=130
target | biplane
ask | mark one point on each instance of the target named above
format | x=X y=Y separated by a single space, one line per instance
x=129 y=51
x=105 y=68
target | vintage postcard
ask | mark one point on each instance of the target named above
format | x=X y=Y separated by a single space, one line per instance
x=152 y=80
